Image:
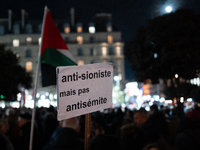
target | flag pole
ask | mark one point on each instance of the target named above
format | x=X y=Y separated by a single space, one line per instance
x=87 y=131
x=36 y=85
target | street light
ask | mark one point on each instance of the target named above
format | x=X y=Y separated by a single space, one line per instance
x=116 y=78
x=116 y=98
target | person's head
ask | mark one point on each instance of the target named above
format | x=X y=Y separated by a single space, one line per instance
x=132 y=136
x=140 y=117
x=105 y=142
x=71 y=123
x=159 y=145
x=3 y=126
x=50 y=109
x=153 y=109
x=24 y=118
x=12 y=119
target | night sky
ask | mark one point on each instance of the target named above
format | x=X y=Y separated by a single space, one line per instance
x=127 y=15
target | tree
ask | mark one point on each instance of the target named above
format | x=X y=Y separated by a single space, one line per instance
x=165 y=46
x=12 y=75
x=183 y=90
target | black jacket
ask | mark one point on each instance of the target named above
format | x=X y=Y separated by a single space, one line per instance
x=65 y=139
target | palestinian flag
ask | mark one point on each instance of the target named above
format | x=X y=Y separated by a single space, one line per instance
x=54 y=51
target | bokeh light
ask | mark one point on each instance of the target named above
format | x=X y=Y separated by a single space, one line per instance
x=168 y=9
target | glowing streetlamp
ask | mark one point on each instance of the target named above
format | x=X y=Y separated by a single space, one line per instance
x=117 y=80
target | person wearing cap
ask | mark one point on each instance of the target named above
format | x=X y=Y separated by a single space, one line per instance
x=25 y=129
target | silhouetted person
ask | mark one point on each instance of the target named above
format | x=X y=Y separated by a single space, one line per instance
x=4 y=137
x=50 y=123
x=66 y=137
x=14 y=130
x=140 y=117
x=105 y=142
x=159 y=145
x=189 y=135
x=132 y=137
x=25 y=127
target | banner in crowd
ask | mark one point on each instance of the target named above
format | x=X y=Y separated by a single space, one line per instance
x=83 y=89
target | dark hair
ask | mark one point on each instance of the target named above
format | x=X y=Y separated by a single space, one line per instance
x=161 y=144
x=26 y=116
x=105 y=142
x=154 y=107
x=132 y=137
x=142 y=112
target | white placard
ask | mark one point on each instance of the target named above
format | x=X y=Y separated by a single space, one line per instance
x=83 y=89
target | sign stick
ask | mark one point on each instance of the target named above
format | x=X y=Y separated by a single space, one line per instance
x=87 y=131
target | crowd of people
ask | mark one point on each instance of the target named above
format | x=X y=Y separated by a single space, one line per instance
x=112 y=129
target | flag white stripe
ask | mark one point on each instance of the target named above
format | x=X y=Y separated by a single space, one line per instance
x=67 y=53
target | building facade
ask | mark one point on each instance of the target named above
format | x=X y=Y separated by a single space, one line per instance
x=88 y=42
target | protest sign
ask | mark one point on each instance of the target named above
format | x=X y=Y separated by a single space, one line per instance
x=84 y=89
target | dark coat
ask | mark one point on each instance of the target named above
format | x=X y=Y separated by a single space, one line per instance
x=65 y=139
x=37 y=143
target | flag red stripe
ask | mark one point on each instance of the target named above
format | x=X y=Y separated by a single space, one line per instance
x=51 y=37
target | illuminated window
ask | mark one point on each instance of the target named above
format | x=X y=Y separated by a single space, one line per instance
x=198 y=81
x=120 y=76
x=15 y=43
x=104 y=51
x=80 y=62
x=192 y=81
x=110 y=39
x=29 y=39
x=39 y=40
x=118 y=50
x=28 y=53
x=109 y=29
x=79 y=29
x=79 y=39
x=105 y=61
x=67 y=29
x=195 y=81
x=29 y=66
x=92 y=29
